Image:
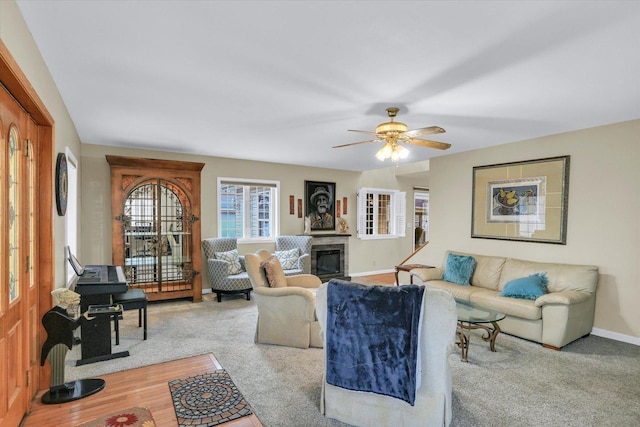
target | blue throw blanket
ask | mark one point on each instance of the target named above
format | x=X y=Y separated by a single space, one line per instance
x=372 y=338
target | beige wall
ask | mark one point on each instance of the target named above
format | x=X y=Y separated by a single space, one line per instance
x=365 y=256
x=18 y=39
x=603 y=216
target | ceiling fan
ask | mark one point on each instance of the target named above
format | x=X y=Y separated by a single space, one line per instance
x=393 y=133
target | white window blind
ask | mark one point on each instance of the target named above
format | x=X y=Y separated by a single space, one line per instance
x=247 y=209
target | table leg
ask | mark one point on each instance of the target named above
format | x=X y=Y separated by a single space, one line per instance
x=464 y=340
x=489 y=335
x=397 y=280
x=492 y=334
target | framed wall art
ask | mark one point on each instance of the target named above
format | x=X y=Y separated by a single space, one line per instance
x=320 y=205
x=524 y=201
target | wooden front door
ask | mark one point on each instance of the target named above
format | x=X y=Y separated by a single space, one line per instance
x=18 y=290
x=26 y=238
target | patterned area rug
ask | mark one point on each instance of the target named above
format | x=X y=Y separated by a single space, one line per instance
x=132 y=417
x=207 y=399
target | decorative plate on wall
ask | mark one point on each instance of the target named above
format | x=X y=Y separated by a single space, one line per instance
x=61 y=184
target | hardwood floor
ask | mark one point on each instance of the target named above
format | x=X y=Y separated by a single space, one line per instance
x=385 y=278
x=146 y=386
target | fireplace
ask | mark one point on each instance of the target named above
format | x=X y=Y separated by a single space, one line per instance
x=329 y=257
x=328 y=262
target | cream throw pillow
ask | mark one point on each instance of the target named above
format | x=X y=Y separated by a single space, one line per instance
x=274 y=273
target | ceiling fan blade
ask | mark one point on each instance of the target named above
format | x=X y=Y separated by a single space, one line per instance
x=424 y=131
x=356 y=143
x=364 y=131
x=429 y=144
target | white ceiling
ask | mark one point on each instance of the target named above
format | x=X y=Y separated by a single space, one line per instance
x=283 y=81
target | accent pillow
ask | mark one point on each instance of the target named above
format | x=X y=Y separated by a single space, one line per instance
x=288 y=259
x=530 y=287
x=274 y=273
x=232 y=258
x=459 y=269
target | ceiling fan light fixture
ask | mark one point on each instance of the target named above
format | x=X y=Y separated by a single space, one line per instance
x=394 y=134
x=385 y=152
x=394 y=151
x=398 y=152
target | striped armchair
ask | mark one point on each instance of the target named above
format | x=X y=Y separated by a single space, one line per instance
x=303 y=244
x=227 y=274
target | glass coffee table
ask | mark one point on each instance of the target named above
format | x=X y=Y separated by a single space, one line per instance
x=472 y=316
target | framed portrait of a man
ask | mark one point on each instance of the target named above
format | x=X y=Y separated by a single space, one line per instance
x=320 y=205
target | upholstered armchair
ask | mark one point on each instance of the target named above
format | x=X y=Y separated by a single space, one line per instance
x=227 y=272
x=303 y=244
x=432 y=405
x=286 y=314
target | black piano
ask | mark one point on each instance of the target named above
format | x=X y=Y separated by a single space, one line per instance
x=96 y=284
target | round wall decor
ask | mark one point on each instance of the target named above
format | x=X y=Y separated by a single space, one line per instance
x=61 y=184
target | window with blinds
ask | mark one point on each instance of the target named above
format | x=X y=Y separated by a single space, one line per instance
x=247 y=209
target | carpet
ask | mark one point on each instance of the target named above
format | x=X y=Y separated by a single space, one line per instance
x=592 y=382
x=207 y=399
x=131 y=417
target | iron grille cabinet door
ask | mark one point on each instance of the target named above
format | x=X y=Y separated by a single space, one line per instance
x=155 y=207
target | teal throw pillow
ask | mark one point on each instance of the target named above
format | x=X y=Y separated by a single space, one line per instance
x=459 y=269
x=530 y=287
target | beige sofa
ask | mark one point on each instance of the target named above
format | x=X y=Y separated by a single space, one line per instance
x=562 y=315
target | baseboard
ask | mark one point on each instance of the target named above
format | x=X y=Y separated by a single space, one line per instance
x=615 y=336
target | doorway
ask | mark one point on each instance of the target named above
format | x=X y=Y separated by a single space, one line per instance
x=420 y=219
